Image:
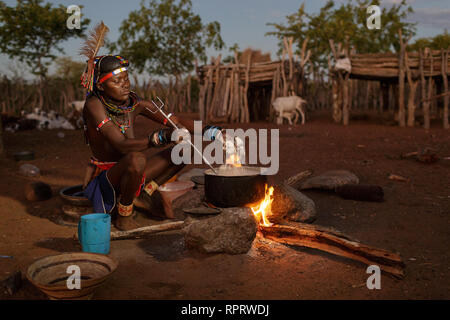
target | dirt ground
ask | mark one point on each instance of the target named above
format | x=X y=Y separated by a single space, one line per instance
x=414 y=220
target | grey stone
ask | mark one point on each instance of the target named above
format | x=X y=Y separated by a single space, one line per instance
x=191 y=199
x=232 y=231
x=191 y=173
x=330 y=180
x=291 y=204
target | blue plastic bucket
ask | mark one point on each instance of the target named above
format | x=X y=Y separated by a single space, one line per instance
x=94 y=232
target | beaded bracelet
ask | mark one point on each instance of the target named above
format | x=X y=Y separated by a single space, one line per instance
x=159 y=138
x=210 y=132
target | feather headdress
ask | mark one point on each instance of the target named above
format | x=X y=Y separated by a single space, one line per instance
x=90 y=49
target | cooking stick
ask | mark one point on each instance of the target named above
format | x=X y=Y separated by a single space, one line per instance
x=175 y=126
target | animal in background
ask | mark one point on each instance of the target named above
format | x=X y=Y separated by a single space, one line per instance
x=285 y=107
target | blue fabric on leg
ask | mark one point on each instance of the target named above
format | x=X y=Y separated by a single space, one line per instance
x=101 y=194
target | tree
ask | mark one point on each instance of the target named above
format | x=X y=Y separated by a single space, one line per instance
x=230 y=58
x=68 y=69
x=32 y=32
x=345 y=24
x=440 y=41
x=165 y=37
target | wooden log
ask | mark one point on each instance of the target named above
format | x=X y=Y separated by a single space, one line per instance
x=444 y=68
x=140 y=232
x=334 y=242
x=295 y=179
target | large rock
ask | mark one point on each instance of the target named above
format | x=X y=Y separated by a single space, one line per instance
x=232 y=231
x=291 y=204
x=330 y=180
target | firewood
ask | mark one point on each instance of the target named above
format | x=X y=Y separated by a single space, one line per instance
x=293 y=181
x=334 y=242
x=397 y=178
x=140 y=232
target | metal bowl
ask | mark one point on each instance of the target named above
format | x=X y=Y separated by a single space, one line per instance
x=69 y=197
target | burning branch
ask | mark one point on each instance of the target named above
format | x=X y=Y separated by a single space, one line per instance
x=316 y=237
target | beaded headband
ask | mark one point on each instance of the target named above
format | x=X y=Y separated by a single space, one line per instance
x=113 y=73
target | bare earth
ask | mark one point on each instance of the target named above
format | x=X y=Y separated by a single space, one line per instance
x=414 y=220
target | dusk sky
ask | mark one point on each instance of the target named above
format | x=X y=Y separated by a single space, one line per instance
x=243 y=21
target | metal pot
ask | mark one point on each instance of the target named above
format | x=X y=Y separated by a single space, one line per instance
x=226 y=191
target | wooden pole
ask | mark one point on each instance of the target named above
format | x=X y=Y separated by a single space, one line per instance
x=1 y=140
x=226 y=97
x=401 y=82
x=430 y=89
x=345 y=101
x=246 y=108
x=189 y=85
x=444 y=66
x=412 y=93
x=283 y=74
x=231 y=100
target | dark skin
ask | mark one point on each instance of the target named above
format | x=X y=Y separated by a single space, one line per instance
x=110 y=145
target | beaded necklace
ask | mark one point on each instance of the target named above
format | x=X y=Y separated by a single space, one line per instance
x=134 y=101
x=114 y=111
x=122 y=126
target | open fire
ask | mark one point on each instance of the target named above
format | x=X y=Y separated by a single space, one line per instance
x=262 y=209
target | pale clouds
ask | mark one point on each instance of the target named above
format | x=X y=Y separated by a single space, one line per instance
x=434 y=17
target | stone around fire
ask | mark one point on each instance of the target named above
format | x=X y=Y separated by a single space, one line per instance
x=232 y=231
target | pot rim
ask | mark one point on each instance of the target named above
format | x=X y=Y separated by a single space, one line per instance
x=256 y=172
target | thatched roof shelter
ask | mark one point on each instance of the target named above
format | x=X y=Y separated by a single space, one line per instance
x=243 y=92
x=385 y=66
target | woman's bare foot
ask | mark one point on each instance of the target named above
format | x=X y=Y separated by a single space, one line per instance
x=126 y=223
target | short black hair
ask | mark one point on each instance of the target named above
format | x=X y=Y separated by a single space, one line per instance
x=107 y=64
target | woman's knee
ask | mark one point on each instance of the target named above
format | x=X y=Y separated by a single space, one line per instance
x=136 y=162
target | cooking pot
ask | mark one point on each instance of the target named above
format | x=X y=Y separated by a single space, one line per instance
x=236 y=187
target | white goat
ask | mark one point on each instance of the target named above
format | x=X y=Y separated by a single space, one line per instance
x=287 y=106
x=77 y=105
x=51 y=120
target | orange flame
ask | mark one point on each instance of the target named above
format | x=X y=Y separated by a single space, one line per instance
x=234 y=160
x=262 y=209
